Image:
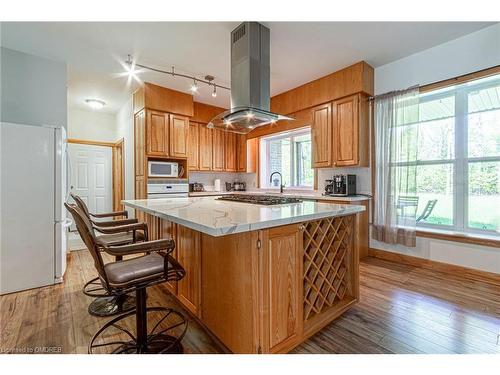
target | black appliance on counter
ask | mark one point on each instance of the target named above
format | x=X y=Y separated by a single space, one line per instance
x=236 y=186
x=196 y=187
x=342 y=185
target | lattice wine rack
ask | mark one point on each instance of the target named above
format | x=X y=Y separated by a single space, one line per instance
x=328 y=247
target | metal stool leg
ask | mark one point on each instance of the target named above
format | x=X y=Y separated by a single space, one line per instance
x=164 y=341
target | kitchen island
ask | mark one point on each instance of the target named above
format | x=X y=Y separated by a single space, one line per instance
x=261 y=278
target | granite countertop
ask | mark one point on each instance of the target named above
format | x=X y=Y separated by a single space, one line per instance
x=299 y=194
x=217 y=218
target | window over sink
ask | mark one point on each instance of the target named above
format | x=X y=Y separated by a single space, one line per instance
x=290 y=154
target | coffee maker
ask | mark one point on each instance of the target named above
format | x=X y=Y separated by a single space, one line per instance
x=341 y=185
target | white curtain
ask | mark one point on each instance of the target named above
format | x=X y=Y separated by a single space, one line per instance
x=396 y=141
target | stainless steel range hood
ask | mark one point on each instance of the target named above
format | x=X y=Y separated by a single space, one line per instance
x=250 y=91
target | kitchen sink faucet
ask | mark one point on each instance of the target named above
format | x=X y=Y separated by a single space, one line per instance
x=281 y=180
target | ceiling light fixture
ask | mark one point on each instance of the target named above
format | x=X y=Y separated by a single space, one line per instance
x=194 y=87
x=132 y=72
x=95 y=104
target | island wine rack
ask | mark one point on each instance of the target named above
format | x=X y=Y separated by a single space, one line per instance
x=328 y=260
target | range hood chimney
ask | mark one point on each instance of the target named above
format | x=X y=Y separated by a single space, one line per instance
x=250 y=75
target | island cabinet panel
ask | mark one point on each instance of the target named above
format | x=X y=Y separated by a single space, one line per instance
x=189 y=256
x=194 y=147
x=229 y=289
x=281 y=278
x=167 y=229
x=321 y=136
x=205 y=148
x=157 y=133
x=230 y=154
x=218 y=141
x=178 y=135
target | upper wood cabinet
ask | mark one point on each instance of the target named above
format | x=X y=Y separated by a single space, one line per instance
x=350 y=131
x=218 y=145
x=321 y=136
x=205 y=148
x=230 y=152
x=194 y=147
x=247 y=154
x=150 y=96
x=157 y=131
x=178 y=134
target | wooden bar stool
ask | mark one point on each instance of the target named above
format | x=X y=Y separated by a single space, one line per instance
x=136 y=274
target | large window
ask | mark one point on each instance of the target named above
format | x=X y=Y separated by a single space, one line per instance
x=290 y=154
x=458 y=167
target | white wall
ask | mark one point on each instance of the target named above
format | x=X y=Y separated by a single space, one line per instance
x=92 y=125
x=470 y=53
x=33 y=89
x=473 y=52
x=125 y=130
x=207 y=179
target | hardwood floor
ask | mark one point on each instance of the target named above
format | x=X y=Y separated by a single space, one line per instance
x=403 y=309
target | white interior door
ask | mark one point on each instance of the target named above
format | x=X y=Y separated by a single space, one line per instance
x=91 y=176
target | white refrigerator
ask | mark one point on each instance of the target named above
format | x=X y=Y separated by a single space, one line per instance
x=33 y=223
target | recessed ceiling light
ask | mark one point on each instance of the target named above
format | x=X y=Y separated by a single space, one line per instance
x=95 y=104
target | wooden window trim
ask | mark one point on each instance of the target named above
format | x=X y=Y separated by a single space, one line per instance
x=469 y=238
x=461 y=79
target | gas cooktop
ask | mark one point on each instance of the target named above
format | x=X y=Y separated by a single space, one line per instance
x=267 y=200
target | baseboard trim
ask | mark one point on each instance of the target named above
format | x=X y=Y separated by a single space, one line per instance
x=468 y=273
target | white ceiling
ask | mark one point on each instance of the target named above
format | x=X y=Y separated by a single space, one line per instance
x=300 y=51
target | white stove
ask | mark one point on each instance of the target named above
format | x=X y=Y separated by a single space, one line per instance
x=168 y=189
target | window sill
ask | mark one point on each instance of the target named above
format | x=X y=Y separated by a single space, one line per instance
x=472 y=238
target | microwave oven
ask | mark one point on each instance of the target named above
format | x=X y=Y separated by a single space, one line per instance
x=163 y=169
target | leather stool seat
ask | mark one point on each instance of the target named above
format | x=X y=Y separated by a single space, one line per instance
x=118 y=239
x=144 y=268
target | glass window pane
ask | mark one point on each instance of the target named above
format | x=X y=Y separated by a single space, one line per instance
x=304 y=172
x=436 y=140
x=436 y=109
x=279 y=160
x=435 y=194
x=289 y=154
x=485 y=99
x=484 y=195
x=484 y=134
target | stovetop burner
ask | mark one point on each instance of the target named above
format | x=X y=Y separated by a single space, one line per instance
x=267 y=200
